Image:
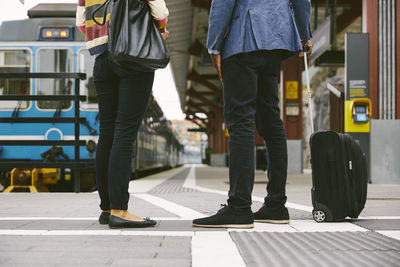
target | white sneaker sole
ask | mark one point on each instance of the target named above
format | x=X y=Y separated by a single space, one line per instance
x=273 y=221
x=243 y=226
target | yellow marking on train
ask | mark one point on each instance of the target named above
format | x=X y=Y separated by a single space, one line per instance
x=37 y=178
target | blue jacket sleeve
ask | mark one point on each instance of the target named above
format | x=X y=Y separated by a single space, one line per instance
x=302 y=16
x=220 y=18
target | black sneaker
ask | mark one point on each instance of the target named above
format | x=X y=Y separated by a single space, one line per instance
x=227 y=217
x=272 y=215
x=104 y=217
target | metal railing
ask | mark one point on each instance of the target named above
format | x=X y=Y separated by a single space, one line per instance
x=76 y=165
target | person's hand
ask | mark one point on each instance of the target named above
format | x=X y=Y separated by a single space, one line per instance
x=309 y=48
x=217 y=62
x=165 y=34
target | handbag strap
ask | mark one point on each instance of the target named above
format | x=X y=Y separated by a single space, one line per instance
x=105 y=5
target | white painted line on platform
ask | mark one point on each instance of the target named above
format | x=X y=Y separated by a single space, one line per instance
x=79 y=219
x=170 y=219
x=158 y=233
x=48 y=218
x=93 y=232
x=378 y=218
x=312 y=226
x=83 y=232
x=215 y=249
x=23 y=232
x=268 y=228
x=391 y=234
x=198 y=165
x=179 y=210
x=288 y=204
x=294 y=226
x=145 y=185
x=190 y=182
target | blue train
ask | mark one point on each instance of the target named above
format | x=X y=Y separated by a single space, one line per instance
x=48 y=41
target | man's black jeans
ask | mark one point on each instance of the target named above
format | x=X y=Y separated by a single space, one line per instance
x=251 y=99
x=123 y=97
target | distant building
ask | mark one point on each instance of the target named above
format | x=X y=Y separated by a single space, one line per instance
x=194 y=143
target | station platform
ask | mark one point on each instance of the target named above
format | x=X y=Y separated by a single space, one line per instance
x=61 y=229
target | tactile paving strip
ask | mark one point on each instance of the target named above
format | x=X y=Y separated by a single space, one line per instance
x=173 y=185
x=317 y=249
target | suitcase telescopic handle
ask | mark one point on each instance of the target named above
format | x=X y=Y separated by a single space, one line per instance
x=305 y=49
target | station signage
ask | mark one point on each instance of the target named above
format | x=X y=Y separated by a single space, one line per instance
x=356 y=66
x=322 y=39
x=292 y=90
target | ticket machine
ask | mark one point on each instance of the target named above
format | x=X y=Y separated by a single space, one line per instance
x=357 y=113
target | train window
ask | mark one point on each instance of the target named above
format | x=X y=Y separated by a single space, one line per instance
x=15 y=61
x=54 y=60
x=86 y=62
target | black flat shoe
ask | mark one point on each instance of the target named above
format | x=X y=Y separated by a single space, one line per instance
x=104 y=217
x=117 y=222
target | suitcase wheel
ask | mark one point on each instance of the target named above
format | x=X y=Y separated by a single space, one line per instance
x=319 y=216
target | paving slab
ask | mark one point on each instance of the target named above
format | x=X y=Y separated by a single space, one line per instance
x=94 y=251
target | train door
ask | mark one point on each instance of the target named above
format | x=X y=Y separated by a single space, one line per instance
x=54 y=60
x=85 y=65
x=15 y=60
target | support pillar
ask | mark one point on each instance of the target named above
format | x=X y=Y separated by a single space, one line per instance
x=218 y=141
x=292 y=112
x=398 y=59
x=370 y=25
x=292 y=98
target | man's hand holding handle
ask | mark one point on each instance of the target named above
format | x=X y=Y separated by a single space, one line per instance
x=307 y=47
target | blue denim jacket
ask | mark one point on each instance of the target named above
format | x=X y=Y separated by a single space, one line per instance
x=239 y=26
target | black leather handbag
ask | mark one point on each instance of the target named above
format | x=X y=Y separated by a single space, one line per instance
x=134 y=40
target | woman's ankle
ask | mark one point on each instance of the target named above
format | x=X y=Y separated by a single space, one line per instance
x=118 y=213
x=124 y=214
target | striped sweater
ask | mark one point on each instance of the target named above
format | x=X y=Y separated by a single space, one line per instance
x=96 y=36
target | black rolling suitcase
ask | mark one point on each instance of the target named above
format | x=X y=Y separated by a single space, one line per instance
x=339 y=173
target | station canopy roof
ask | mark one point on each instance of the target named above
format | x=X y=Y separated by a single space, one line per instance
x=199 y=88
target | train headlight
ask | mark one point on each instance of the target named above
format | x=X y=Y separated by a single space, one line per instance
x=56 y=34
